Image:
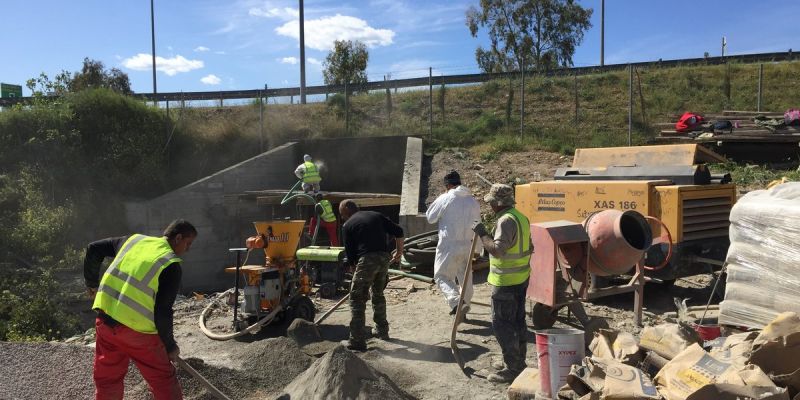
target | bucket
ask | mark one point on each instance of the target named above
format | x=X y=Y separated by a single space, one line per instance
x=558 y=350
x=708 y=332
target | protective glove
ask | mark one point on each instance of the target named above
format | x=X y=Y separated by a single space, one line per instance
x=480 y=230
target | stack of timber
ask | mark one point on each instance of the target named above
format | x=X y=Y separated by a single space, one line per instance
x=748 y=142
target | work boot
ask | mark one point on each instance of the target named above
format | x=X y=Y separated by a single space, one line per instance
x=380 y=334
x=505 y=375
x=354 y=346
x=465 y=309
x=498 y=365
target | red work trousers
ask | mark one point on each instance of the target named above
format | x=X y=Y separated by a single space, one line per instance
x=118 y=344
x=330 y=227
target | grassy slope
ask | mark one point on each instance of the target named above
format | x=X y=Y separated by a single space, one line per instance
x=475 y=116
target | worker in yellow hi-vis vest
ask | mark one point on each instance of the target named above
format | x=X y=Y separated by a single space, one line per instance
x=324 y=211
x=133 y=301
x=308 y=172
x=509 y=251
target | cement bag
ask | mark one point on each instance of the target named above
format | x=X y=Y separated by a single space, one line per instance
x=613 y=345
x=694 y=368
x=610 y=380
x=764 y=258
x=733 y=349
x=667 y=340
x=776 y=351
x=727 y=391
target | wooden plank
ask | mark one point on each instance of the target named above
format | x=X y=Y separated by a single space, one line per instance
x=360 y=201
x=685 y=154
x=734 y=112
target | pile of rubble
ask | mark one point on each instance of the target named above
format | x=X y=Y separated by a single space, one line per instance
x=672 y=362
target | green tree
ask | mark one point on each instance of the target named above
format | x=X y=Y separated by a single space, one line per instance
x=540 y=34
x=346 y=63
x=92 y=75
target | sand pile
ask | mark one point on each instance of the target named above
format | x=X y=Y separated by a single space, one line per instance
x=54 y=370
x=340 y=374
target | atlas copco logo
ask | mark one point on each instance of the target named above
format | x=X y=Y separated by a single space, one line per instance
x=567 y=352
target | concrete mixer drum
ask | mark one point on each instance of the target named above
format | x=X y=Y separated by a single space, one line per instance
x=607 y=243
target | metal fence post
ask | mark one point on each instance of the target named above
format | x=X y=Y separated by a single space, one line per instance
x=430 y=102
x=630 y=102
x=576 y=99
x=261 y=121
x=346 y=109
x=388 y=101
x=522 y=101
x=760 y=81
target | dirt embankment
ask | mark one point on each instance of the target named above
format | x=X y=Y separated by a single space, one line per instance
x=508 y=168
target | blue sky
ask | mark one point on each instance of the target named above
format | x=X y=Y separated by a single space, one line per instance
x=244 y=44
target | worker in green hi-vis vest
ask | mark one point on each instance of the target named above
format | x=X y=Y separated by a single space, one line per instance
x=509 y=251
x=308 y=172
x=324 y=211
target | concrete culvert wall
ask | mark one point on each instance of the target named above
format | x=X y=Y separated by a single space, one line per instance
x=224 y=220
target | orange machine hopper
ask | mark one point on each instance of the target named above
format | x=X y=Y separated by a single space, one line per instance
x=282 y=237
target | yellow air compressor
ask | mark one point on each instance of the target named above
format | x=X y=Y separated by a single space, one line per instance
x=670 y=183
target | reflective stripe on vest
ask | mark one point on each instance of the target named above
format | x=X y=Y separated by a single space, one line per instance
x=311 y=175
x=513 y=268
x=128 y=288
x=327 y=211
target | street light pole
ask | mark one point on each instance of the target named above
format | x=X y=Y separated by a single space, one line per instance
x=153 y=44
x=302 y=57
x=602 y=31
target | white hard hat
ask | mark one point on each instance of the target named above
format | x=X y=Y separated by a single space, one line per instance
x=307 y=157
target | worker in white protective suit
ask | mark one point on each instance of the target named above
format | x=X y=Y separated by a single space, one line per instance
x=457 y=212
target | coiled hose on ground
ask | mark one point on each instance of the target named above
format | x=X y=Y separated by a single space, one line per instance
x=228 y=336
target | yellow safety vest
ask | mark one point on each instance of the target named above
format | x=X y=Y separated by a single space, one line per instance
x=128 y=288
x=514 y=267
x=311 y=175
x=327 y=211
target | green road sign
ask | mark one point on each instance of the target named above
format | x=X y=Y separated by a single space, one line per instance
x=8 y=90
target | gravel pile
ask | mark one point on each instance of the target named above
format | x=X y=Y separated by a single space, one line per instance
x=340 y=374
x=49 y=371
x=62 y=371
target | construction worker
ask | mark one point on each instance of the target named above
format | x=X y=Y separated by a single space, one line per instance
x=324 y=211
x=365 y=244
x=509 y=269
x=457 y=212
x=133 y=301
x=309 y=174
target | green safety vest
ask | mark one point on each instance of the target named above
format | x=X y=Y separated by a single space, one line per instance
x=514 y=267
x=311 y=175
x=327 y=211
x=128 y=288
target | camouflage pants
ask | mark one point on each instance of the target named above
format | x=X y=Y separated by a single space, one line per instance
x=371 y=273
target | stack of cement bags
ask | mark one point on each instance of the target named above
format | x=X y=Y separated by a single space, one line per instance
x=764 y=257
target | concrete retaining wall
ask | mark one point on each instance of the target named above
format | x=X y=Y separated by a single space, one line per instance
x=224 y=220
x=412 y=221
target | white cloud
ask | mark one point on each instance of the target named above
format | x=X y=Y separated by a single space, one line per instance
x=289 y=60
x=220 y=52
x=314 y=61
x=200 y=49
x=322 y=32
x=169 y=66
x=211 y=80
x=286 y=13
x=169 y=48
